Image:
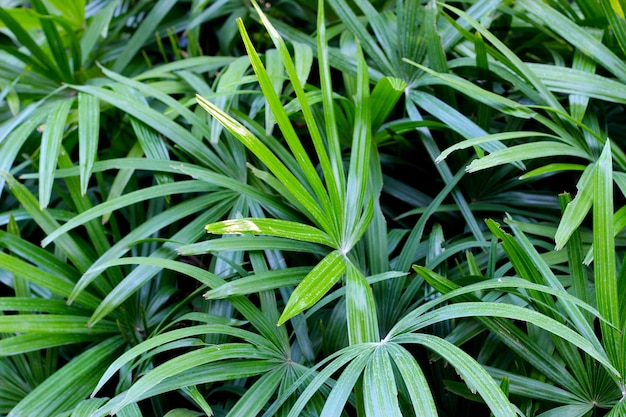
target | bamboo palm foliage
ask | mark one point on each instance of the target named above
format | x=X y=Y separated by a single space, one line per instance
x=303 y=230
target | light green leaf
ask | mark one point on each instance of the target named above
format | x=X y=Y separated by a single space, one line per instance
x=512 y=312
x=298 y=195
x=46 y=221
x=227 y=83
x=153 y=146
x=180 y=187
x=97 y=27
x=345 y=385
x=361 y=310
x=384 y=98
x=533 y=388
x=58 y=49
x=53 y=282
x=86 y=407
x=525 y=151
x=379 y=386
x=313 y=287
x=143 y=231
x=272 y=227
x=303 y=61
x=52 y=323
x=577 y=36
x=182 y=363
x=289 y=133
x=493 y=100
x=453 y=119
x=258 y=395
x=143 y=90
x=577 y=209
x=30 y=342
x=258 y=282
x=159 y=122
x=131 y=410
x=514 y=62
x=70 y=384
x=333 y=141
x=195 y=394
x=490 y=138
x=160 y=340
x=583 y=83
x=604 y=257
x=43 y=60
x=414 y=379
x=473 y=373
x=50 y=148
x=572 y=410
x=360 y=159
x=88 y=135
x=143 y=273
x=552 y=168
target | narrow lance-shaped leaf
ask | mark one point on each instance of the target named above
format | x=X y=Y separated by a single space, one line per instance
x=356 y=26
x=574 y=249
x=227 y=84
x=496 y=101
x=414 y=379
x=513 y=312
x=359 y=156
x=159 y=122
x=52 y=323
x=50 y=148
x=46 y=221
x=88 y=136
x=54 y=41
x=29 y=43
x=516 y=64
x=344 y=386
x=361 y=309
x=143 y=273
x=258 y=395
x=297 y=193
x=330 y=121
x=604 y=256
x=577 y=36
x=271 y=227
x=379 y=386
x=180 y=187
x=180 y=364
x=312 y=125
x=258 y=282
x=577 y=209
x=523 y=152
x=275 y=71
x=473 y=373
x=491 y=138
x=70 y=384
x=282 y=119
x=506 y=331
x=313 y=287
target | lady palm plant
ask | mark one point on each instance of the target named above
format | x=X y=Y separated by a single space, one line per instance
x=302 y=176
x=50 y=346
x=572 y=129
x=333 y=211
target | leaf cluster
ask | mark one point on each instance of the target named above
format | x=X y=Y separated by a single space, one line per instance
x=231 y=208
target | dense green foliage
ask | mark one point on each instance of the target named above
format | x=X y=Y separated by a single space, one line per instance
x=370 y=208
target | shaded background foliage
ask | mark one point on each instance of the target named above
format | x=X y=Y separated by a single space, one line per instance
x=346 y=160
